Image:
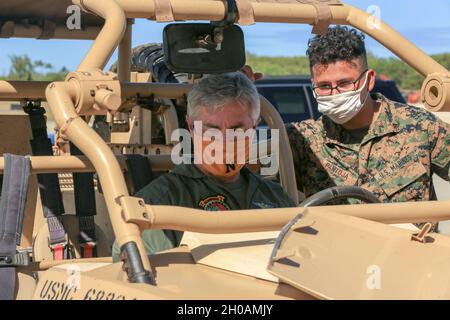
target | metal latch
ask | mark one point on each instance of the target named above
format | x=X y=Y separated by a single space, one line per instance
x=422 y=235
x=134 y=210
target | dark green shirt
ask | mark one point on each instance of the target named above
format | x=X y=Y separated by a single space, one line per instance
x=186 y=186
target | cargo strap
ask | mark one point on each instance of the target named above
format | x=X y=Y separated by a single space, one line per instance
x=139 y=171
x=324 y=16
x=7 y=29
x=246 y=15
x=163 y=11
x=83 y=184
x=48 y=30
x=16 y=175
x=48 y=184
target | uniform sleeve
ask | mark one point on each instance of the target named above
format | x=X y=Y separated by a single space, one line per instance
x=273 y=192
x=297 y=143
x=154 y=240
x=440 y=148
x=160 y=240
x=155 y=193
x=287 y=202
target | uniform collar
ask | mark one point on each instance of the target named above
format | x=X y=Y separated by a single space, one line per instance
x=188 y=170
x=191 y=171
x=386 y=122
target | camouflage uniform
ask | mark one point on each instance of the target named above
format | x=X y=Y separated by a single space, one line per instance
x=395 y=160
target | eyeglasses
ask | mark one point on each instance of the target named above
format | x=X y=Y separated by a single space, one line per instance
x=199 y=128
x=344 y=86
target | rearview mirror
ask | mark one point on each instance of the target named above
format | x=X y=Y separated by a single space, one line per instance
x=203 y=48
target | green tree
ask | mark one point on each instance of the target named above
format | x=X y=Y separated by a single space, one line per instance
x=23 y=68
x=405 y=76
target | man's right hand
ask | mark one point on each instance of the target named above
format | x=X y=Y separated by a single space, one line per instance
x=253 y=76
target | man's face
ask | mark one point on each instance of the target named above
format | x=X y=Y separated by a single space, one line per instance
x=231 y=116
x=342 y=73
x=222 y=140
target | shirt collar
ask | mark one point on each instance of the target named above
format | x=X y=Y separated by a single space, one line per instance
x=188 y=170
x=386 y=122
x=191 y=171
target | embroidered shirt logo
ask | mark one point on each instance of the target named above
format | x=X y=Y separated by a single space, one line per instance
x=390 y=169
x=336 y=171
x=214 y=203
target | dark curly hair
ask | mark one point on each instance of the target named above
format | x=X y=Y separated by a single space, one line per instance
x=339 y=43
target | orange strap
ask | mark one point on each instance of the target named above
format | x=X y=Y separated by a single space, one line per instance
x=58 y=252
x=163 y=11
x=88 y=249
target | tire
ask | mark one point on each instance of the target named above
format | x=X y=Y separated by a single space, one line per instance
x=149 y=58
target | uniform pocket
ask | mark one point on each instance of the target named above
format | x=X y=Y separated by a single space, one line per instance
x=401 y=178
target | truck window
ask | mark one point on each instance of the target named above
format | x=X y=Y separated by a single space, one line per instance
x=313 y=101
x=290 y=101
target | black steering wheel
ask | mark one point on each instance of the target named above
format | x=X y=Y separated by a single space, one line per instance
x=339 y=193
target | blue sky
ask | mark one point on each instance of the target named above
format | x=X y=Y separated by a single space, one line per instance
x=426 y=26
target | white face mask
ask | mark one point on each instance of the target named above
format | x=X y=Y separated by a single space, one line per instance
x=342 y=107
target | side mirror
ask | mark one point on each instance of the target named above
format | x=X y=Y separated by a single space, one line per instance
x=203 y=48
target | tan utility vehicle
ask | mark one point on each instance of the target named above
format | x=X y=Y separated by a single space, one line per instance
x=326 y=252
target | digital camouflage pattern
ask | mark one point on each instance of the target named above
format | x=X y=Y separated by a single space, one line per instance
x=395 y=160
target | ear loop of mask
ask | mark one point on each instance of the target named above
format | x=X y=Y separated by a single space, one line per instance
x=366 y=84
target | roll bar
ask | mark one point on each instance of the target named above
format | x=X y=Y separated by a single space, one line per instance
x=63 y=97
x=196 y=220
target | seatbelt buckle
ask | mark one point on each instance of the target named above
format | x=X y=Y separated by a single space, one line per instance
x=88 y=249
x=58 y=250
x=20 y=259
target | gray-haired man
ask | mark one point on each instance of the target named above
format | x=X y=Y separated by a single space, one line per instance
x=222 y=103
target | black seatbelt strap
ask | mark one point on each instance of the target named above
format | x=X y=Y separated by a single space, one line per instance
x=48 y=183
x=83 y=184
x=139 y=170
x=16 y=175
